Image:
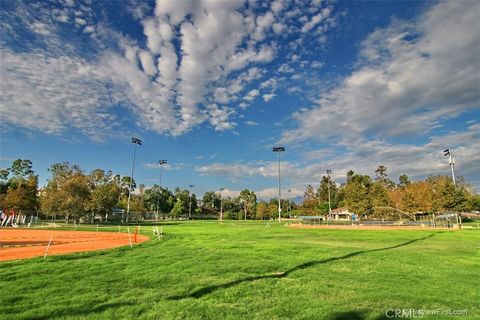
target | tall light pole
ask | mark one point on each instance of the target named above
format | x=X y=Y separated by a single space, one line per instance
x=279 y=150
x=221 y=204
x=289 y=201
x=160 y=163
x=329 y=204
x=190 y=205
x=135 y=141
x=451 y=161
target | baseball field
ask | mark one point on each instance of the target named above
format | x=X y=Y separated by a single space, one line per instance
x=251 y=270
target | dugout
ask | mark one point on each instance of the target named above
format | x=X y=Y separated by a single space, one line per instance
x=311 y=220
x=448 y=220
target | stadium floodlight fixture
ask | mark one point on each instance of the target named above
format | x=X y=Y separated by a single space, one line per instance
x=135 y=142
x=279 y=150
x=190 y=204
x=448 y=153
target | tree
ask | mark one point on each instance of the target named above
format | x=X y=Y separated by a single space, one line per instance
x=357 y=193
x=23 y=196
x=350 y=174
x=262 y=211
x=211 y=200
x=159 y=199
x=382 y=177
x=381 y=173
x=20 y=191
x=447 y=196
x=310 y=201
x=322 y=192
x=21 y=169
x=125 y=185
x=4 y=173
x=179 y=208
x=248 y=200
x=418 y=197
x=67 y=192
x=378 y=194
x=403 y=181
x=105 y=192
x=232 y=206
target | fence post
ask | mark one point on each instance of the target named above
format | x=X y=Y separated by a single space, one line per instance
x=48 y=246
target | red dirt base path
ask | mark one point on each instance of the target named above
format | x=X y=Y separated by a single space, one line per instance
x=22 y=243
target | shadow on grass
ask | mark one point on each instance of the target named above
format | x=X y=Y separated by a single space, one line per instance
x=207 y=290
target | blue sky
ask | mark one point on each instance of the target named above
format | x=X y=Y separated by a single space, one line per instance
x=211 y=86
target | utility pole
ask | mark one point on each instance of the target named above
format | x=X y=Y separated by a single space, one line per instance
x=190 y=206
x=160 y=163
x=289 y=202
x=329 y=204
x=221 y=204
x=135 y=141
x=451 y=161
x=279 y=150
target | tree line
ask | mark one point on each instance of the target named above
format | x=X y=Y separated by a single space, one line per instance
x=72 y=193
x=362 y=193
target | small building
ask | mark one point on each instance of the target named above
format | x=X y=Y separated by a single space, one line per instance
x=342 y=214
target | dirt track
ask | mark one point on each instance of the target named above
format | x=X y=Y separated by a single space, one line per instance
x=23 y=243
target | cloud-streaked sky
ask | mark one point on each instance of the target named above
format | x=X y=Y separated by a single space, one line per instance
x=212 y=85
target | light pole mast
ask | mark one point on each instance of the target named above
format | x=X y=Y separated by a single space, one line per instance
x=278 y=150
x=135 y=141
x=451 y=161
x=160 y=163
x=190 y=205
x=329 y=203
x=289 y=202
x=221 y=204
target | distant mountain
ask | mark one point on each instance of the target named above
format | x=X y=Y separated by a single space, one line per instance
x=297 y=200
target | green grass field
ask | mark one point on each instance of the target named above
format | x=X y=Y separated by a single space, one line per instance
x=207 y=270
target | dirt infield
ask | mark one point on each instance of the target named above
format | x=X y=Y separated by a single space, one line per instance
x=22 y=243
x=364 y=227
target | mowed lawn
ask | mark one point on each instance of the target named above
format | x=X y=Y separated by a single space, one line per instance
x=237 y=270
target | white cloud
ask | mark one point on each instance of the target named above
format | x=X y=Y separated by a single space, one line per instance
x=312 y=22
x=363 y=156
x=41 y=28
x=268 y=97
x=219 y=118
x=168 y=89
x=270 y=193
x=285 y=68
x=251 y=95
x=89 y=29
x=251 y=123
x=278 y=28
x=317 y=64
x=148 y=65
x=413 y=76
x=277 y=7
x=80 y=22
